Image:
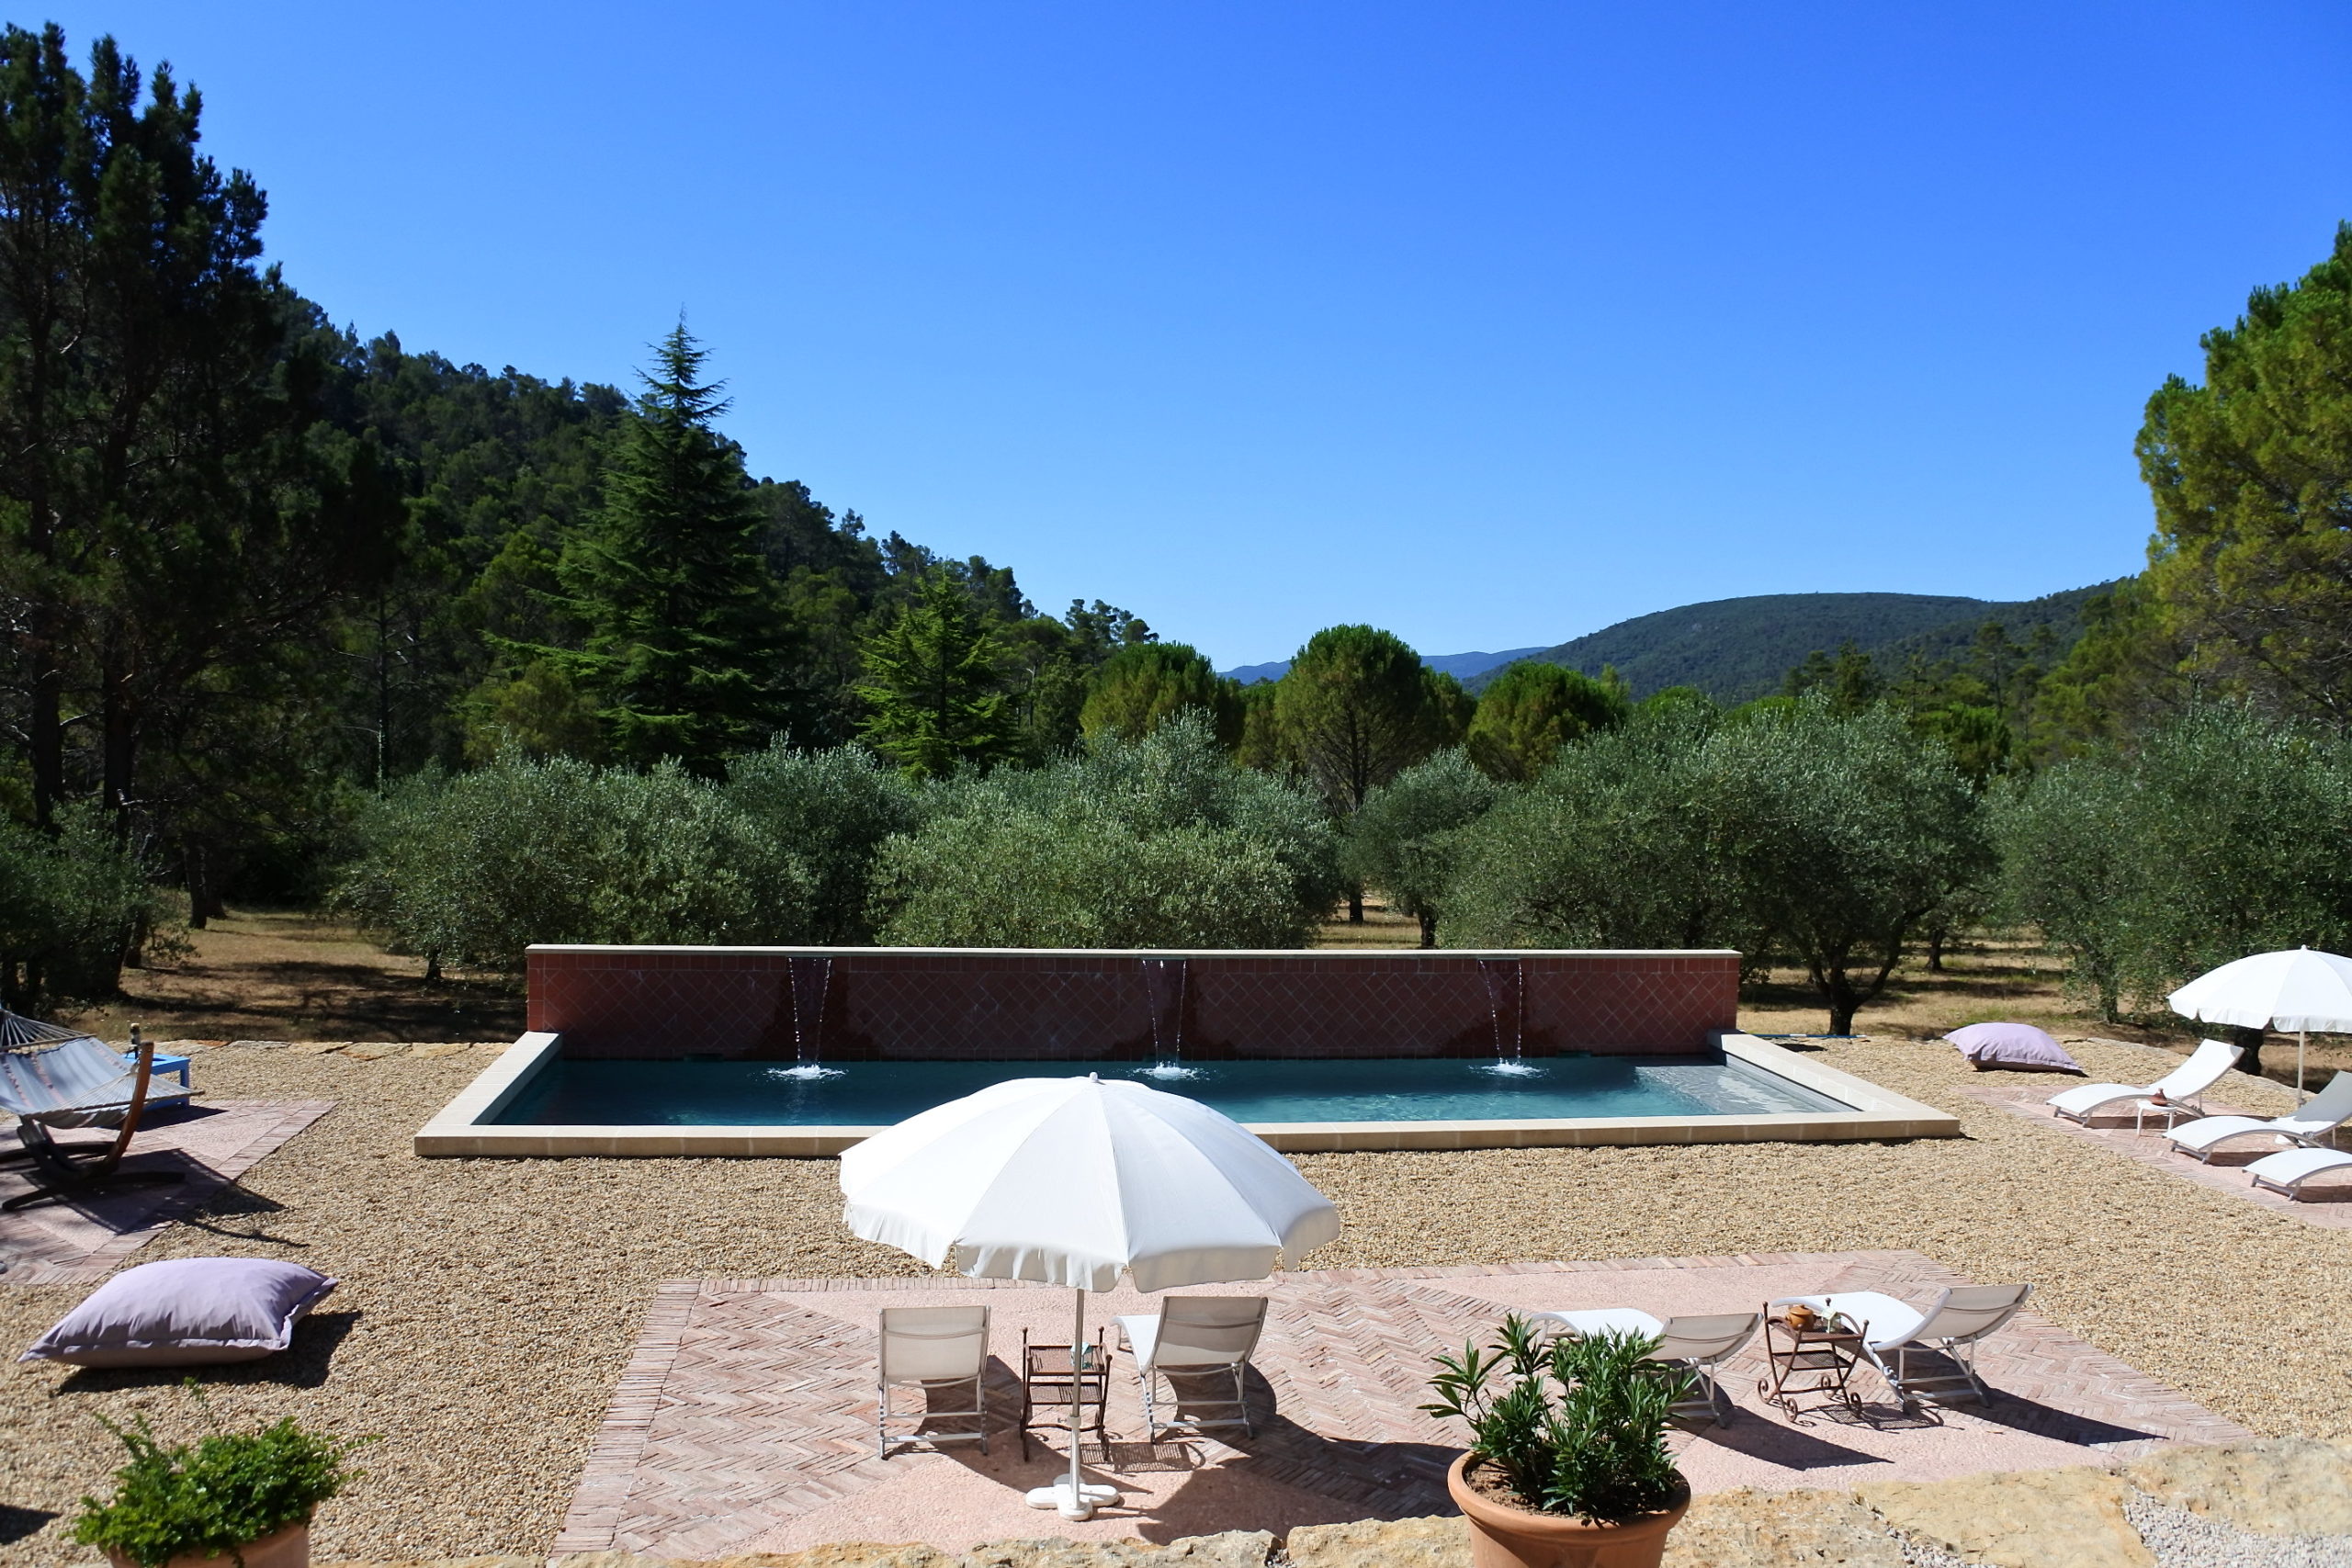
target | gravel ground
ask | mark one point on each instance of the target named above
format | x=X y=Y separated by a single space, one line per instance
x=488 y=1306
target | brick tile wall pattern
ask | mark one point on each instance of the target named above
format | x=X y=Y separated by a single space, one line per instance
x=854 y=1004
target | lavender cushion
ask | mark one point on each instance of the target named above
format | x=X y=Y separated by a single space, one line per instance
x=2017 y=1046
x=185 y=1312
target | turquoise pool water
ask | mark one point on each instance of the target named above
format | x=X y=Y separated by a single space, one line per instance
x=870 y=1094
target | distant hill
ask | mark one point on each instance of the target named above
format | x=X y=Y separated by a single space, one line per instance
x=1734 y=650
x=1460 y=666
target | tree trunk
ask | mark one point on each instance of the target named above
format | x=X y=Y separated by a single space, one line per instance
x=1356 y=906
x=1429 y=929
x=203 y=892
x=2251 y=1039
x=1936 y=950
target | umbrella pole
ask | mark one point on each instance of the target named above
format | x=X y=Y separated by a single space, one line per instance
x=2300 y=1037
x=1072 y=1497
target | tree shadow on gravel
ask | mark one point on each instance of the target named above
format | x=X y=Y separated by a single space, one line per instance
x=17 y=1523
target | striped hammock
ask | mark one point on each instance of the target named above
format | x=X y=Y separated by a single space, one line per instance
x=61 y=1076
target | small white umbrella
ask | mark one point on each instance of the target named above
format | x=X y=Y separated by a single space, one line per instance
x=1074 y=1181
x=2299 y=992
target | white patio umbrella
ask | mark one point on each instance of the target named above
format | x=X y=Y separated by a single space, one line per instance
x=1074 y=1181
x=2299 y=992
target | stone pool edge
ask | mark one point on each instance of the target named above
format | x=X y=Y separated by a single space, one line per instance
x=460 y=1131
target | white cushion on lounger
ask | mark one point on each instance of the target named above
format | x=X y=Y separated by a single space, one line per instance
x=2290 y=1168
x=1606 y=1320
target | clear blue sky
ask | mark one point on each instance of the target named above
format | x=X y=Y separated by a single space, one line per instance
x=1490 y=323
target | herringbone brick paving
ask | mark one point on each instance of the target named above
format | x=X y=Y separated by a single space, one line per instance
x=744 y=1420
x=210 y=1144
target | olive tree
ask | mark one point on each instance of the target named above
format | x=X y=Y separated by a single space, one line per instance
x=473 y=869
x=1616 y=844
x=1403 y=841
x=1157 y=842
x=832 y=809
x=1844 y=834
x=1789 y=831
x=2220 y=833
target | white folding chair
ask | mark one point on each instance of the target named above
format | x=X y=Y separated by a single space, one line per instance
x=1195 y=1336
x=1697 y=1344
x=1955 y=1322
x=935 y=1348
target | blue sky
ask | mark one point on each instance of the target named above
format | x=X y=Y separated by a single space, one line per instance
x=1489 y=323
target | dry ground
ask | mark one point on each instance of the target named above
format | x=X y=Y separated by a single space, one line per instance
x=488 y=1305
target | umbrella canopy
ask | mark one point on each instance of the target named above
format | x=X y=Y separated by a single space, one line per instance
x=2299 y=992
x=1074 y=1181
x=2296 y=992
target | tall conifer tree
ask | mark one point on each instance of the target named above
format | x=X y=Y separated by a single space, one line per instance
x=688 y=644
x=934 y=686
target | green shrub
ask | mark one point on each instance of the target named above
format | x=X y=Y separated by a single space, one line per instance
x=832 y=809
x=1404 y=838
x=1576 y=1426
x=209 y=1498
x=473 y=869
x=73 y=906
x=1156 y=842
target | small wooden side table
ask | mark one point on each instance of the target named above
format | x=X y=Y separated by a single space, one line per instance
x=1046 y=1385
x=1791 y=1355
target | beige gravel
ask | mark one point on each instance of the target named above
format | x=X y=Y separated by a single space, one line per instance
x=488 y=1306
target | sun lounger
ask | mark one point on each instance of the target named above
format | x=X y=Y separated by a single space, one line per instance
x=1195 y=1336
x=51 y=1076
x=2179 y=1086
x=2307 y=1123
x=1697 y=1344
x=1954 y=1323
x=936 y=1348
x=2287 y=1170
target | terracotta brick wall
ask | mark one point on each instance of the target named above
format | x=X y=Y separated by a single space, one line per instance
x=851 y=1004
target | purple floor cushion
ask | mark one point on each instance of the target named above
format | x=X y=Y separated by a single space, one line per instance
x=186 y=1312
x=2020 y=1047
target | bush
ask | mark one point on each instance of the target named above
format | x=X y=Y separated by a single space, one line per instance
x=473 y=869
x=1789 y=830
x=831 y=810
x=1156 y=842
x=1404 y=838
x=73 y=907
x=2221 y=834
x=1578 y=1425
x=209 y=1498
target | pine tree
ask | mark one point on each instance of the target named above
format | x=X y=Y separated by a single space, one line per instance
x=688 y=644
x=933 y=687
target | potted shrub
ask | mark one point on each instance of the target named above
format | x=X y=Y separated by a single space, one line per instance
x=1567 y=1465
x=229 y=1498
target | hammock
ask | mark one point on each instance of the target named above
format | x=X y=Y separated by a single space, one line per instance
x=53 y=1077
x=64 y=1077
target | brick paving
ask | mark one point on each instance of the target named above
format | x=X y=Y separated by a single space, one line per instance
x=744 y=1420
x=2326 y=1200
x=211 y=1143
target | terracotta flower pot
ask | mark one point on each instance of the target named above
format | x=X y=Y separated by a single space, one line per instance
x=289 y=1548
x=1503 y=1537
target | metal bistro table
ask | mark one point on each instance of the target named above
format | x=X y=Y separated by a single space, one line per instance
x=1048 y=1386
x=1826 y=1355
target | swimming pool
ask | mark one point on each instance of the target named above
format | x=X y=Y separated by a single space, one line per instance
x=770 y=1094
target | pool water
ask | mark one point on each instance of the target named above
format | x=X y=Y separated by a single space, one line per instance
x=870 y=1094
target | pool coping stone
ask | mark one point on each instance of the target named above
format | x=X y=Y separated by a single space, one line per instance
x=461 y=1129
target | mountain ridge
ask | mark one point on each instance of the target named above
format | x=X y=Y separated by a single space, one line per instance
x=1735 y=649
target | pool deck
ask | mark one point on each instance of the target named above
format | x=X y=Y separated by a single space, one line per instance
x=462 y=1128
x=743 y=1423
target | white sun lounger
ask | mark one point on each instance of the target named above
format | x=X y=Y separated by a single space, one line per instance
x=1954 y=1323
x=2307 y=1123
x=1195 y=1336
x=936 y=1348
x=2287 y=1170
x=2179 y=1086
x=1699 y=1343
